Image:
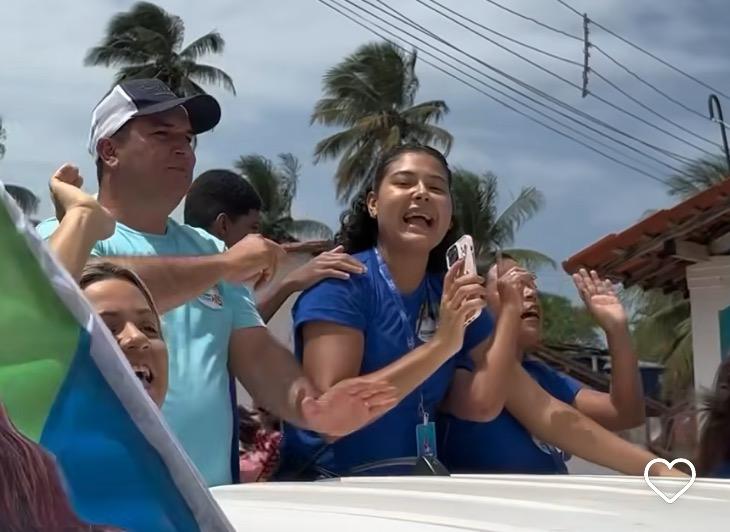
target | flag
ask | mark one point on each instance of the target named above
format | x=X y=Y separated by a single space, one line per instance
x=66 y=385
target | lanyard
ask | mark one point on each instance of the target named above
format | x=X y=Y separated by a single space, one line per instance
x=385 y=274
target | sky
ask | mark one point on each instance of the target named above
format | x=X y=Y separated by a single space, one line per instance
x=277 y=52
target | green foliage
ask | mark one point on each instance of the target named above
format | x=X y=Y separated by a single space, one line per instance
x=371 y=95
x=566 y=323
x=475 y=207
x=698 y=176
x=147 y=42
x=277 y=186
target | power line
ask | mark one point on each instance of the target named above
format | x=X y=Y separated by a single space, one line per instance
x=557 y=76
x=415 y=25
x=607 y=55
x=520 y=43
x=552 y=99
x=571 y=8
x=546 y=26
x=450 y=74
x=652 y=111
x=648 y=84
x=653 y=56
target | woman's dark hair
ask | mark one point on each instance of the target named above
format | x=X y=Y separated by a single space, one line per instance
x=359 y=231
x=32 y=497
x=714 y=447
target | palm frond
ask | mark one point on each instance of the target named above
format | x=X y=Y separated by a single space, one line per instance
x=426 y=112
x=209 y=74
x=698 y=176
x=210 y=43
x=150 y=70
x=334 y=145
x=287 y=176
x=531 y=259
x=355 y=167
x=259 y=171
x=431 y=135
x=527 y=204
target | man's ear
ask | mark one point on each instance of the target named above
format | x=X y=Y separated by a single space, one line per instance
x=372 y=203
x=107 y=151
x=220 y=226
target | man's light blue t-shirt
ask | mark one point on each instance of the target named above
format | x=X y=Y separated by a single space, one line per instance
x=198 y=405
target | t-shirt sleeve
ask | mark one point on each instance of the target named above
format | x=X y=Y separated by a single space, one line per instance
x=333 y=300
x=245 y=313
x=559 y=385
x=477 y=331
x=47 y=227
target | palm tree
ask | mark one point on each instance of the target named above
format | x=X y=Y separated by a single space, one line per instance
x=698 y=175
x=146 y=42
x=371 y=96
x=662 y=332
x=26 y=200
x=277 y=186
x=475 y=208
x=3 y=136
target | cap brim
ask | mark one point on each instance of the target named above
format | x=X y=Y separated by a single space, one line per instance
x=203 y=110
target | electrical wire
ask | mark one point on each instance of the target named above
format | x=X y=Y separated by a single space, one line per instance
x=518 y=111
x=557 y=76
x=646 y=52
x=546 y=26
x=552 y=99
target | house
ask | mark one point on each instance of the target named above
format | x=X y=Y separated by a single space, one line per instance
x=683 y=249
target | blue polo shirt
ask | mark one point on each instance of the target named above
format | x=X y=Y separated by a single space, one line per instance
x=503 y=445
x=198 y=406
x=366 y=303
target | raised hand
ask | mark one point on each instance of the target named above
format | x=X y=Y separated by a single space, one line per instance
x=511 y=286
x=253 y=258
x=348 y=406
x=67 y=196
x=334 y=263
x=462 y=296
x=601 y=300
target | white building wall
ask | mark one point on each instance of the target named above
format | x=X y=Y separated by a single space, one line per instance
x=280 y=324
x=709 y=288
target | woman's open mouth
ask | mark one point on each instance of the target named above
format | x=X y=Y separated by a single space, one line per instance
x=144 y=374
x=419 y=219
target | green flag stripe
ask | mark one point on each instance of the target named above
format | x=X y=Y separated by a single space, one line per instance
x=38 y=334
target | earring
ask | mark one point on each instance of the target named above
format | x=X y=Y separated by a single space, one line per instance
x=372 y=214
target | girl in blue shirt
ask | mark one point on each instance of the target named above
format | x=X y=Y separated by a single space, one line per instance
x=403 y=321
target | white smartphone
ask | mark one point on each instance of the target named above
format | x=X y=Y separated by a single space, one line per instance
x=464 y=249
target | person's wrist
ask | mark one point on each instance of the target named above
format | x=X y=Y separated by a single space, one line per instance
x=445 y=344
x=291 y=283
x=618 y=328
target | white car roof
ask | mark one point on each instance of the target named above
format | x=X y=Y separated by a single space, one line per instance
x=505 y=503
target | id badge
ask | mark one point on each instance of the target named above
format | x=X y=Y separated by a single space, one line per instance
x=426 y=439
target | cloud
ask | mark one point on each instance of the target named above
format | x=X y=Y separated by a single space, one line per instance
x=277 y=53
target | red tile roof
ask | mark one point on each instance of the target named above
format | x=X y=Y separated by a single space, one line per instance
x=643 y=253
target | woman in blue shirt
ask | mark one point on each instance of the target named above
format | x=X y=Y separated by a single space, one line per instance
x=403 y=321
x=509 y=443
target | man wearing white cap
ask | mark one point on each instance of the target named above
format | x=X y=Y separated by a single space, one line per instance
x=141 y=137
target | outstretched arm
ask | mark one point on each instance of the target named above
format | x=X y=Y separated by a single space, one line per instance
x=623 y=407
x=560 y=424
x=335 y=264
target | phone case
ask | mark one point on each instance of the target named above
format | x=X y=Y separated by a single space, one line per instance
x=464 y=248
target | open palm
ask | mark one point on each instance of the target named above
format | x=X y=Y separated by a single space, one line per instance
x=348 y=406
x=601 y=300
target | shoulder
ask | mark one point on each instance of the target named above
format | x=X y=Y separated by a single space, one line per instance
x=196 y=237
x=338 y=300
x=555 y=382
x=46 y=228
